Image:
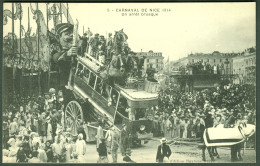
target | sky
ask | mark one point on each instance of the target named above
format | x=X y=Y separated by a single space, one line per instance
x=185 y=28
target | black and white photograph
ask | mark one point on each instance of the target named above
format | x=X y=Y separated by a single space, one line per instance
x=129 y=82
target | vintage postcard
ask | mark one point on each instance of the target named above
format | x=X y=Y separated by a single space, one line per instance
x=129 y=82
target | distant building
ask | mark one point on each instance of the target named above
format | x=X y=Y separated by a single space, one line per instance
x=239 y=68
x=152 y=60
x=223 y=61
x=244 y=67
x=175 y=65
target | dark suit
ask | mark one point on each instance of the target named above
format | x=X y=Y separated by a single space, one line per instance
x=124 y=142
x=163 y=151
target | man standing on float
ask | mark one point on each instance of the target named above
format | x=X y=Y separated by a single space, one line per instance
x=63 y=58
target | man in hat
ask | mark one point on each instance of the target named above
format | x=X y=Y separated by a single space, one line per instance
x=163 y=151
x=124 y=140
x=102 y=151
x=63 y=58
x=93 y=45
x=109 y=46
x=108 y=138
x=84 y=43
x=13 y=128
x=115 y=144
x=101 y=49
x=100 y=132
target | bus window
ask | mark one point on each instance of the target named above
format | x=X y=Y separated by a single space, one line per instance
x=92 y=79
x=114 y=97
x=86 y=75
x=120 y=119
x=140 y=113
x=104 y=91
x=122 y=106
x=99 y=85
x=79 y=69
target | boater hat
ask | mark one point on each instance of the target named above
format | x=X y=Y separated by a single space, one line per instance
x=63 y=27
x=163 y=140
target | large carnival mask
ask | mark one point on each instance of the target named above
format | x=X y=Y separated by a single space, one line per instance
x=66 y=39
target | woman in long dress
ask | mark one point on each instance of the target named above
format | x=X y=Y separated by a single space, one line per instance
x=177 y=130
x=185 y=124
x=49 y=130
x=81 y=149
x=42 y=156
x=168 y=128
x=69 y=149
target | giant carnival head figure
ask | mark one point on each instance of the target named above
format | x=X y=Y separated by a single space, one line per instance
x=65 y=33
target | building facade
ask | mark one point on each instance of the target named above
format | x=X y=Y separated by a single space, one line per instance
x=239 y=68
x=244 y=68
x=152 y=60
x=222 y=61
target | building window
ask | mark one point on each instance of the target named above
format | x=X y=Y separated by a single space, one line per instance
x=208 y=60
x=192 y=60
x=147 y=60
x=214 y=60
x=157 y=60
x=220 y=60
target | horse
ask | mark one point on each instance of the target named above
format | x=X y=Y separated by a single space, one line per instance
x=119 y=41
x=115 y=71
x=227 y=137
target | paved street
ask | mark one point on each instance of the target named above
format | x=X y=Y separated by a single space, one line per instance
x=181 y=154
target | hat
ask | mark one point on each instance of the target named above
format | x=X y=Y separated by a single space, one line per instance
x=80 y=136
x=212 y=111
x=96 y=34
x=85 y=34
x=163 y=140
x=19 y=136
x=201 y=115
x=63 y=27
x=33 y=133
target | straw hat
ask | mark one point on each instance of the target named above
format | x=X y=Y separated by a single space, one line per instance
x=163 y=140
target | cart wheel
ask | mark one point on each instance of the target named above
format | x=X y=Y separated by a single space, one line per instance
x=73 y=116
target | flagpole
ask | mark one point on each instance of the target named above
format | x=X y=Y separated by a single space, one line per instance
x=67 y=13
x=60 y=14
x=13 y=52
x=168 y=65
x=38 y=51
x=30 y=70
x=21 y=70
x=49 y=74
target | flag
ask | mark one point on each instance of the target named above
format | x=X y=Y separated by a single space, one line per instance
x=64 y=11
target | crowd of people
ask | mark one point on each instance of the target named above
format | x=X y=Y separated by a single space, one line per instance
x=34 y=131
x=186 y=115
